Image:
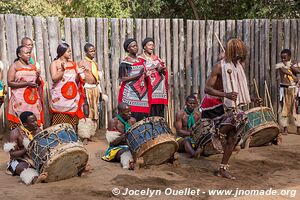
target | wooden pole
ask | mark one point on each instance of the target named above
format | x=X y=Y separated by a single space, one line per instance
x=219 y=42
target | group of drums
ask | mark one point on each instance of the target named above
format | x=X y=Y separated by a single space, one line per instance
x=58 y=150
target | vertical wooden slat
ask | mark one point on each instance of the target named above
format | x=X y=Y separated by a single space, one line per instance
x=267 y=53
x=222 y=34
x=100 y=43
x=115 y=58
x=247 y=38
x=156 y=37
x=20 y=28
x=181 y=64
x=298 y=42
x=149 y=28
x=256 y=47
x=252 y=54
x=274 y=83
x=107 y=67
x=229 y=30
x=162 y=36
x=76 y=40
x=196 y=59
x=175 y=63
x=91 y=22
x=239 y=29
x=39 y=44
x=188 y=55
x=122 y=36
x=279 y=39
x=209 y=50
x=168 y=64
x=138 y=33
x=82 y=36
x=287 y=33
x=294 y=38
x=53 y=32
x=11 y=36
x=28 y=27
x=202 y=58
x=129 y=24
x=67 y=29
x=216 y=45
x=261 y=56
x=3 y=52
x=144 y=30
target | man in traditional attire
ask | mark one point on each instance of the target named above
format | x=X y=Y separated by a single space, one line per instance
x=185 y=120
x=26 y=89
x=223 y=98
x=88 y=70
x=17 y=145
x=116 y=134
x=67 y=95
x=158 y=76
x=136 y=87
x=288 y=70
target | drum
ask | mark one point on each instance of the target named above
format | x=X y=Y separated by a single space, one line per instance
x=153 y=140
x=202 y=132
x=261 y=127
x=58 y=151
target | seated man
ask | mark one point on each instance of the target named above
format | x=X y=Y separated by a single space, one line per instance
x=19 y=138
x=185 y=119
x=115 y=135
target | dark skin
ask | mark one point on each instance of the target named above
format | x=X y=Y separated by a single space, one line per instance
x=116 y=125
x=285 y=58
x=214 y=86
x=148 y=53
x=24 y=56
x=181 y=125
x=86 y=66
x=17 y=136
x=132 y=57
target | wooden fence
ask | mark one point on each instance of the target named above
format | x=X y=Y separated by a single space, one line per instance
x=188 y=47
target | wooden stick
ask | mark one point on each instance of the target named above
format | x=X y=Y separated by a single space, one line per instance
x=257 y=93
x=269 y=97
x=219 y=42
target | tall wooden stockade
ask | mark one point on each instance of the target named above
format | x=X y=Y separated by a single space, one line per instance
x=188 y=47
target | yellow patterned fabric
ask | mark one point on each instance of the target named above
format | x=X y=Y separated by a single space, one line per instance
x=28 y=133
x=59 y=118
x=94 y=68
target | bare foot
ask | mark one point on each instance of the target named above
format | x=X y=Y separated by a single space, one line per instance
x=85 y=141
x=131 y=165
x=88 y=168
x=225 y=174
x=42 y=177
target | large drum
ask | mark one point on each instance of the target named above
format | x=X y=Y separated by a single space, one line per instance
x=151 y=139
x=202 y=132
x=58 y=151
x=261 y=128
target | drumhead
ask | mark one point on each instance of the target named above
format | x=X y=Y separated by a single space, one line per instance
x=66 y=162
x=158 y=150
x=146 y=120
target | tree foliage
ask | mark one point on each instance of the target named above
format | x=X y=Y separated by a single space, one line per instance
x=203 y=9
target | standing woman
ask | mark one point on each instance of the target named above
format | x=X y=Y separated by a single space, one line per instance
x=158 y=76
x=67 y=95
x=26 y=89
x=135 y=85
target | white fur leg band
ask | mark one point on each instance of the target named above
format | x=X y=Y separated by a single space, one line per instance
x=126 y=157
x=86 y=128
x=26 y=142
x=8 y=146
x=112 y=136
x=28 y=174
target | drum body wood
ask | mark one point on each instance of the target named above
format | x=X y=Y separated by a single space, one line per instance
x=262 y=127
x=151 y=139
x=58 y=151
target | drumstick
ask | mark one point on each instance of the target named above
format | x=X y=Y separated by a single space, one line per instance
x=269 y=97
x=229 y=71
x=219 y=41
x=257 y=94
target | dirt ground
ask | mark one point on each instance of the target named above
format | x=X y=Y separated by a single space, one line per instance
x=259 y=168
